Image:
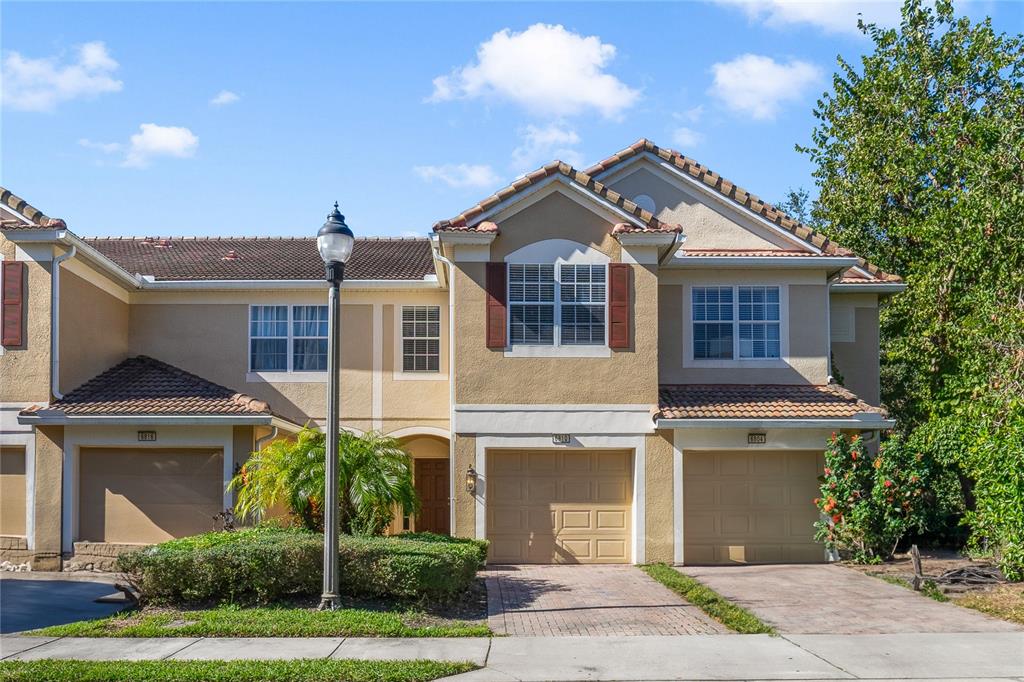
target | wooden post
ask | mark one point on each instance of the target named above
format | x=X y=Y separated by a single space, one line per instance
x=915 y=558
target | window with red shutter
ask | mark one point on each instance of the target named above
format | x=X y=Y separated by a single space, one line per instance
x=13 y=303
x=619 y=305
x=496 y=305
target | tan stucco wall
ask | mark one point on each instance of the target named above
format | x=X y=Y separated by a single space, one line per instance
x=808 y=329
x=172 y=333
x=25 y=370
x=412 y=401
x=49 y=466
x=858 y=361
x=428 y=447
x=465 y=504
x=93 y=330
x=658 y=514
x=486 y=376
x=706 y=225
x=12 y=490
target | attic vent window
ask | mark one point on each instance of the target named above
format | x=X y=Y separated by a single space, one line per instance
x=645 y=202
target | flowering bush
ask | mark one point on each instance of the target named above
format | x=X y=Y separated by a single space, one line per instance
x=869 y=503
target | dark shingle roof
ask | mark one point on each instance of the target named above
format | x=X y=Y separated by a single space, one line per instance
x=142 y=385
x=759 y=401
x=227 y=258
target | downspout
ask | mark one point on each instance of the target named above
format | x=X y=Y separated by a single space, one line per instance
x=55 y=321
x=266 y=439
x=451 y=383
x=829 y=281
x=679 y=239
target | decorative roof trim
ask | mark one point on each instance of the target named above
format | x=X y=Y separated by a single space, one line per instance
x=28 y=211
x=871 y=421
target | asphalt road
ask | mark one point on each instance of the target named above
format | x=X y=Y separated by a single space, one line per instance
x=27 y=604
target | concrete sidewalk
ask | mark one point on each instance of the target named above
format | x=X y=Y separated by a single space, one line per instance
x=994 y=655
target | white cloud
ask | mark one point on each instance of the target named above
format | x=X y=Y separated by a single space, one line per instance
x=758 y=86
x=460 y=175
x=686 y=137
x=542 y=144
x=832 y=16
x=105 y=147
x=691 y=115
x=545 y=69
x=41 y=84
x=224 y=97
x=154 y=140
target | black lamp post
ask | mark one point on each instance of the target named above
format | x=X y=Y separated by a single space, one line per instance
x=334 y=241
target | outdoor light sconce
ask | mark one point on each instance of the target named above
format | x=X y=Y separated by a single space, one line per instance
x=471 y=481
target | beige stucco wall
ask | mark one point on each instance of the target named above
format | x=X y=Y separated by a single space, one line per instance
x=408 y=399
x=707 y=225
x=12 y=490
x=47 y=497
x=658 y=514
x=858 y=360
x=808 y=329
x=93 y=330
x=25 y=370
x=465 y=503
x=486 y=376
x=173 y=333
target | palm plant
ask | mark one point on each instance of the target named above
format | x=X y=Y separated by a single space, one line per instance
x=374 y=477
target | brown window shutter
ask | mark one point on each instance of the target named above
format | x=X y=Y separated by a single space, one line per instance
x=496 y=308
x=13 y=303
x=618 y=305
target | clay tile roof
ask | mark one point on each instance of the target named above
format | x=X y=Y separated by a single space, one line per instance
x=747 y=401
x=740 y=196
x=741 y=253
x=263 y=258
x=144 y=386
x=28 y=211
x=645 y=220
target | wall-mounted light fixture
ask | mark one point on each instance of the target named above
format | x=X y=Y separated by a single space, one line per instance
x=471 y=480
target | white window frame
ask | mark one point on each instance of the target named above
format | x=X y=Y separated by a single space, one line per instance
x=556 y=348
x=397 y=372
x=288 y=375
x=736 y=361
x=400 y=358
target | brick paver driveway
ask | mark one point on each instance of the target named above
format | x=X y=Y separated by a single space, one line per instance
x=830 y=599
x=566 y=601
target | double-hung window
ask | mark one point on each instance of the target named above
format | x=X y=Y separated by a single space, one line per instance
x=288 y=338
x=563 y=305
x=421 y=338
x=730 y=322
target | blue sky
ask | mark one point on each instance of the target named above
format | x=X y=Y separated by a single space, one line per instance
x=252 y=118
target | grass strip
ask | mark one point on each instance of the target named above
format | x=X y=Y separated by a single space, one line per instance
x=1003 y=601
x=235 y=621
x=302 y=670
x=928 y=587
x=736 y=618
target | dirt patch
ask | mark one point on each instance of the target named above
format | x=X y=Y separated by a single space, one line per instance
x=1002 y=601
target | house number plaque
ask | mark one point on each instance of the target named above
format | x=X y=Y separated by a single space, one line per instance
x=757 y=438
x=147 y=435
x=561 y=438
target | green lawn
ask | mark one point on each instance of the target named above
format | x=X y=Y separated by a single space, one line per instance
x=707 y=600
x=233 y=621
x=304 y=670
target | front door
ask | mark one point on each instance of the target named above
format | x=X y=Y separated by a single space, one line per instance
x=432 y=481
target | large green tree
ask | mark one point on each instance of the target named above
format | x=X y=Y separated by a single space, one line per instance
x=919 y=153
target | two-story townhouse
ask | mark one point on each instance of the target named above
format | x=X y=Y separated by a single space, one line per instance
x=626 y=364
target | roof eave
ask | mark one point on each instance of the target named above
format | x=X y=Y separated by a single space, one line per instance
x=788 y=262
x=865 y=423
x=60 y=418
x=870 y=288
x=150 y=284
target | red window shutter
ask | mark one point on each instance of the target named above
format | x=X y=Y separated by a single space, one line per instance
x=619 y=305
x=13 y=303
x=496 y=309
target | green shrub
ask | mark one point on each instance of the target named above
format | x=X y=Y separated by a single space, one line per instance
x=481 y=545
x=269 y=564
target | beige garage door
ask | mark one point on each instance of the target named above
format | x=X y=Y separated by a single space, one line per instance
x=750 y=507
x=559 y=507
x=148 y=495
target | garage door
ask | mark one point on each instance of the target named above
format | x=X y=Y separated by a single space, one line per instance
x=750 y=507
x=148 y=495
x=560 y=507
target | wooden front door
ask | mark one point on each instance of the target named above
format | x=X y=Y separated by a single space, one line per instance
x=432 y=485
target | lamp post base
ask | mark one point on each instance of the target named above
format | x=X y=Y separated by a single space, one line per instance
x=328 y=602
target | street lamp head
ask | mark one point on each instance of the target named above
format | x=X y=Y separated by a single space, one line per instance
x=334 y=242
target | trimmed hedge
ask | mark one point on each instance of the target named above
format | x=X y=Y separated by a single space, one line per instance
x=481 y=545
x=268 y=564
